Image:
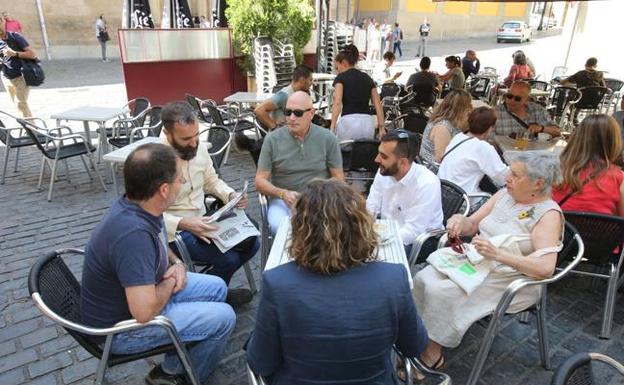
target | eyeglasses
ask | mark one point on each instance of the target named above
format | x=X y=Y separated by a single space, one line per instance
x=456 y=245
x=517 y=98
x=402 y=134
x=298 y=113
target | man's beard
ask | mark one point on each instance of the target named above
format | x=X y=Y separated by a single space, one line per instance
x=185 y=153
x=389 y=171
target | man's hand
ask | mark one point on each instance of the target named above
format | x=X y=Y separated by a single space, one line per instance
x=198 y=227
x=9 y=52
x=535 y=128
x=485 y=247
x=178 y=273
x=290 y=197
x=242 y=203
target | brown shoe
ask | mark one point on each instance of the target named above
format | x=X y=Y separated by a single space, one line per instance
x=238 y=297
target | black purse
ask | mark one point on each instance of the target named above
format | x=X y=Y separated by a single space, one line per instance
x=32 y=72
x=104 y=36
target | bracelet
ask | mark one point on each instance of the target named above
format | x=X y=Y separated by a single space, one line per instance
x=542 y=128
x=179 y=262
x=281 y=194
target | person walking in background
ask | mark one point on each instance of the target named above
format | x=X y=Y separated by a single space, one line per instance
x=12 y=25
x=398 y=37
x=424 y=30
x=102 y=35
x=374 y=44
x=13 y=48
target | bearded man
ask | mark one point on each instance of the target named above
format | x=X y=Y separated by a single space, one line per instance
x=187 y=214
x=405 y=191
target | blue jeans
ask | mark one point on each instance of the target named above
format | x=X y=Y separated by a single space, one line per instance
x=397 y=46
x=198 y=314
x=225 y=264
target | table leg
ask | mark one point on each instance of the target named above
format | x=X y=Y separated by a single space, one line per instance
x=114 y=177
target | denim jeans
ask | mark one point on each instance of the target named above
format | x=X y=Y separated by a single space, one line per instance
x=225 y=264
x=198 y=314
x=422 y=46
x=397 y=46
x=277 y=211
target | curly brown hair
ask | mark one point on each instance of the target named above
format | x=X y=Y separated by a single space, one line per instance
x=331 y=229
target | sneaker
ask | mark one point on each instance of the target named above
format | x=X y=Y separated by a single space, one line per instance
x=105 y=61
x=237 y=297
x=158 y=377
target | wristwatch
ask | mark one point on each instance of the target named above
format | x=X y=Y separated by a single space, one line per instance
x=179 y=262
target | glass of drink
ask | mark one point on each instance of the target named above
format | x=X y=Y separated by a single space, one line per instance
x=522 y=140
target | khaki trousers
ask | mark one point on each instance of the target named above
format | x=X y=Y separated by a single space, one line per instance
x=18 y=91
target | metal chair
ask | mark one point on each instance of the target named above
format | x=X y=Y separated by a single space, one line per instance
x=479 y=87
x=55 y=148
x=593 y=99
x=454 y=201
x=123 y=134
x=133 y=116
x=197 y=103
x=409 y=363
x=358 y=161
x=558 y=72
x=602 y=234
x=577 y=369
x=266 y=240
x=56 y=292
x=15 y=141
x=227 y=119
x=562 y=99
x=567 y=259
x=616 y=86
x=539 y=85
x=220 y=138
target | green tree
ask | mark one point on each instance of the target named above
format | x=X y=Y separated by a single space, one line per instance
x=289 y=21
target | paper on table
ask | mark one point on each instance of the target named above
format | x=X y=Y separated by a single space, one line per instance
x=227 y=208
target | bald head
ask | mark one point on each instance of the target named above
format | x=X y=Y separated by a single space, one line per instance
x=299 y=99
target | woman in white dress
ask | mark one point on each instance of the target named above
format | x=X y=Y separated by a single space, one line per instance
x=374 y=44
x=525 y=208
x=469 y=157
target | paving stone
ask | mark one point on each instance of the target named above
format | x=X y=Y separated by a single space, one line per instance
x=48 y=379
x=38 y=337
x=49 y=364
x=63 y=343
x=16 y=360
x=79 y=371
x=19 y=329
x=13 y=377
x=7 y=348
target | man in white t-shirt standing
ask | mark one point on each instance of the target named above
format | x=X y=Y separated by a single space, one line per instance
x=424 y=30
x=405 y=191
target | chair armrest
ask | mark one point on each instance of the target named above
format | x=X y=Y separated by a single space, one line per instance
x=420 y=241
x=39 y=120
x=253 y=378
x=422 y=368
x=59 y=130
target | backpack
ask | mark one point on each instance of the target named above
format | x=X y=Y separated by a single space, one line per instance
x=31 y=69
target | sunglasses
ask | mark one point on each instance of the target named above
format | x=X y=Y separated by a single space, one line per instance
x=402 y=134
x=514 y=97
x=456 y=245
x=298 y=113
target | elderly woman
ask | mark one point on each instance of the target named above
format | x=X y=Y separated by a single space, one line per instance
x=447 y=120
x=469 y=157
x=523 y=208
x=591 y=180
x=332 y=315
x=519 y=70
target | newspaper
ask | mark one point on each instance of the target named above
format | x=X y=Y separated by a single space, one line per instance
x=227 y=208
x=234 y=228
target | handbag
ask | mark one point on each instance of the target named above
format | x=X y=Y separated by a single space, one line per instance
x=32 y=72
x=104 y=36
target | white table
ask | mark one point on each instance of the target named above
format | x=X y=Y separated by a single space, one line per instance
x=392 y=252
x=86 y=114
x=506 y=144
x=120 y=155
x=323 y=77
x=247 y=97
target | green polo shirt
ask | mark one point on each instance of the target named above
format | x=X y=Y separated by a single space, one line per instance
x=292 y=163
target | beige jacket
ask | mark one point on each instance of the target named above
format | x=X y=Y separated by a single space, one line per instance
x=201 y=178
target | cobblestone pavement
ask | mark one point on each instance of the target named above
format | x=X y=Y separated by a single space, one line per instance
x=35 y=351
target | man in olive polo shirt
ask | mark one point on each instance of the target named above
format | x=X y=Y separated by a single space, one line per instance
x=294 y=154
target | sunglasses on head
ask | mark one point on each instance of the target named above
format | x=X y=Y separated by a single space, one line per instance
x=298 y=113
x=402 y=134
x=514 y=97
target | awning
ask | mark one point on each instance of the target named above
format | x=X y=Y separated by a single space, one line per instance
x=508 y=1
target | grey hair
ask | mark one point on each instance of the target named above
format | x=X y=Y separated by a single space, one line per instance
x=539 y=165
x=177 y=112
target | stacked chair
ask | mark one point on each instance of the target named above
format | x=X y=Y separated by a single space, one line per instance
x=274 y=62
x=335 y=37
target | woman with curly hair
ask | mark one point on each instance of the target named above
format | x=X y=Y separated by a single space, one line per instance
x=333 y=314
x=592 y=181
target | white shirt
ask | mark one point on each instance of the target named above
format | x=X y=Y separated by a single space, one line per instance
x=469 y=162
x=415 y=201
x=99 y=26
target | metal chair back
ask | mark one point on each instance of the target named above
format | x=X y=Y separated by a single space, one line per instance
x=415 y=121
x=153 y=121
x=479 y=87
x=539 y=85
x=359 y=155
x=454 y=200
x=215 y=115
x=601 y=233
x=137 y=106
x=196 y=104
x=592 y=97
x=559 y=71
x=577 y=369
x=561 y=98
x=615 y=85
x=220 y=138
x=389 y=90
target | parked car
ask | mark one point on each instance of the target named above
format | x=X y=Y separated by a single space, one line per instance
x=515 y=30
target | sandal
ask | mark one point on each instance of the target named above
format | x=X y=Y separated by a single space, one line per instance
x=417 y=377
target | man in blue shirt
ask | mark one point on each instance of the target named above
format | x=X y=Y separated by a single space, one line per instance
x=470 y=64
x=13 y=48
x=129 y=272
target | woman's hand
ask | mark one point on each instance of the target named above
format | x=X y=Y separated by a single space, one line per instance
x=455 y=225
x=485 y=248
